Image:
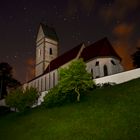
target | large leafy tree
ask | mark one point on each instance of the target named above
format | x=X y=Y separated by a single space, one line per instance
x=136 y=58
x=75 y=78
x=6 y=79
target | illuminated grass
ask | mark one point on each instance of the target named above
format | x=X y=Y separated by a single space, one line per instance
x=111 y=113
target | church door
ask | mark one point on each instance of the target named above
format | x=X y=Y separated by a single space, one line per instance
x=105 y=70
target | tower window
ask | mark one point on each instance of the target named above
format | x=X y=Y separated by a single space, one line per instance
x=113 y=62
x=97 y=63
x=50 y=51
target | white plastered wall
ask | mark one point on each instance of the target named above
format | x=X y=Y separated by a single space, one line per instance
x=119 y=77
x=98 y=71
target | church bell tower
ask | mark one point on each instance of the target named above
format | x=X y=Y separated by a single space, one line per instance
x=46 y=48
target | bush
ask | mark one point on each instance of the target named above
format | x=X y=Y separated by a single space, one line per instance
x=57 y=97
x=74 y=82
x=21 y=100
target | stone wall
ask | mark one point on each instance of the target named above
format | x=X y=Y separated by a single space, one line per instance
x=120 y=77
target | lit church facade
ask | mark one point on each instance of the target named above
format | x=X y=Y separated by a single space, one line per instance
x=100 y=58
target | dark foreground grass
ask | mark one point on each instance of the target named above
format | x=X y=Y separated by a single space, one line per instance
x=105 y=114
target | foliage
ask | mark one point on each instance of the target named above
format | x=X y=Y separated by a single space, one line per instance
x=21 y=100
x=54 y=97
x=75 y=78
x=57 y=97
x=6 y=79
x=136 y=58
x=74 y=81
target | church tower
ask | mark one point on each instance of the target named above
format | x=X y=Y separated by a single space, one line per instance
x=46 y=48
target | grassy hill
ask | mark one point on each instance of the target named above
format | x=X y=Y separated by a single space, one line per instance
x=111 y=113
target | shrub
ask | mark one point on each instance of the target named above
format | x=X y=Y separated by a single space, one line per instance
x=14 y=98
x=21 y=100
x=30 y=96
x=73 y=83
x=56 y=97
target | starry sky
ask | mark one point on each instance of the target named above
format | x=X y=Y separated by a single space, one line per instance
x=75 y=21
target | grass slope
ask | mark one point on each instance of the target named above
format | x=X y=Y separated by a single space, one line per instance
x=111 y=113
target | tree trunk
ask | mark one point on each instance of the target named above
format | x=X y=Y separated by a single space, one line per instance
x=78 y=94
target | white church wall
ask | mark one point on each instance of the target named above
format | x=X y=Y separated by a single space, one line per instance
x=53 y=78
x=98 y=70
x=45 y=82
x=119 y=77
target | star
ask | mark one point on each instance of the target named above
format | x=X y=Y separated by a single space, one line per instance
x=88 y=42
x=65 y=19
x=7 y=56
x=24 y=8
x=29 y=30
x=11 y=17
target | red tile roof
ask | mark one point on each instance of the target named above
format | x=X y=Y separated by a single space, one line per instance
x=100 y=48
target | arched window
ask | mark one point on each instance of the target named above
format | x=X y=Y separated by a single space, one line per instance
x=113 y=62
x=92 y=73
x=105 y=70
x=97 y=63
x=41 y=84
x=38 y=84
x=53 y=79
x=45 y=83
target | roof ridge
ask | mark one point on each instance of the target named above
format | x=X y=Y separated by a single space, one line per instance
x=99 y=48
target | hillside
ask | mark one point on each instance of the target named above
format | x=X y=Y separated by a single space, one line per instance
x=111 y=113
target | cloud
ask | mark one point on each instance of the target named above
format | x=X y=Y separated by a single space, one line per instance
x=30 y=68
x=123 y=43
x=87 y=5
x=121 y=48
x=30 y=62
x=71 y=8
x=138 y=43
x=119 y=9
x=123 y=30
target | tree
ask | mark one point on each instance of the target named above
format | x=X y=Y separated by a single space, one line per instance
x=22 y=99
x=6 y=79
x=76 y=78
x=73 y=81
x=136 y=58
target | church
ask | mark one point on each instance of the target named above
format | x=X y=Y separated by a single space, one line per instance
x=100 y=58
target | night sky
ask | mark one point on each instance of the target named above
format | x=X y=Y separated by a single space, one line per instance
x=75 y=21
